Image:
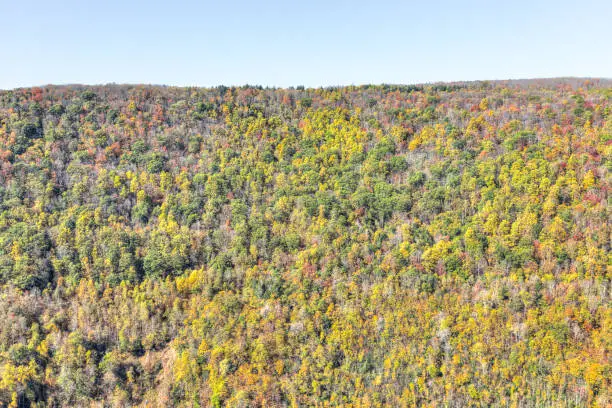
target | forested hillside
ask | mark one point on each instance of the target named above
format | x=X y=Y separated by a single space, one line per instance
x=366 y=246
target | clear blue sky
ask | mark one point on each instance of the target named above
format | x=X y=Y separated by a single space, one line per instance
x=312 y=43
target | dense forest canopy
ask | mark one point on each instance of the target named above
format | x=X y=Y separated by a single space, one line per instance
x=429 y=245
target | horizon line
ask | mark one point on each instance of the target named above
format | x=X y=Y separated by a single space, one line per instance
x=267 y=86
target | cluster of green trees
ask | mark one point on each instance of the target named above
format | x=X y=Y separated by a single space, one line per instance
x=361 y=246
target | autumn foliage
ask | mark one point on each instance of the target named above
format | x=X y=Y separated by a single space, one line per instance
x=434 y=245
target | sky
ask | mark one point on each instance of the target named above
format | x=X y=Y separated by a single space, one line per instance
x=310 y=42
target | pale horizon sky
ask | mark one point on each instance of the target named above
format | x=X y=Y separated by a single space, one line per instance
x=313 y=43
